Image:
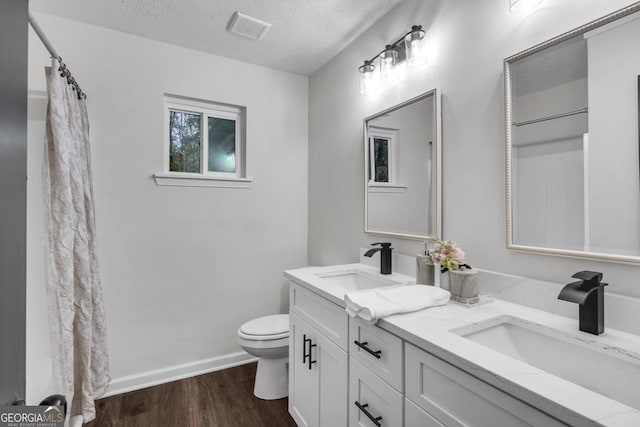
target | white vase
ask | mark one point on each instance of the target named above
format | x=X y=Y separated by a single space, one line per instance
x=463 y=285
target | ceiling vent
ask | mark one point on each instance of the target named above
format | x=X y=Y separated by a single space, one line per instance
x=248 y=26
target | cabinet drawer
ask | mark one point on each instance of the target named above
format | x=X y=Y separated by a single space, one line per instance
x=374 y=397
x=385 y=357
x=328 y=318
x=456 y=398
x=416 y=417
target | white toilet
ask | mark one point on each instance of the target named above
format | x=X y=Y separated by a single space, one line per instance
x=268 y=338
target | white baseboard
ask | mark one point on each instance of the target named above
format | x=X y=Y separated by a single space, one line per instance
x=177 y=372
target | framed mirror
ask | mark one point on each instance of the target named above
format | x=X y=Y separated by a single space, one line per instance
x=572 y=157
x=402 y=157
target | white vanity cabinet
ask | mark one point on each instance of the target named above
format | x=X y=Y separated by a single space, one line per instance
x=318 y=361
x=445 y=394
x=422 y=369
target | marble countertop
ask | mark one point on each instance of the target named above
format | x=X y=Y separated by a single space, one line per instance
x=311 y=278
x=430 y=329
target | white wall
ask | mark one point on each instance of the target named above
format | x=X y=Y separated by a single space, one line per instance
x=548 y=194
x=548 y=188
x=469 y=40
x=182 y=268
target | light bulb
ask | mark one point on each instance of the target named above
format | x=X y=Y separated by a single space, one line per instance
x=388 y=60
x=368 y=77
x=415 y=47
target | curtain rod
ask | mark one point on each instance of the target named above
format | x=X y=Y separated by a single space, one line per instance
x=555 y=116
x=62 y=69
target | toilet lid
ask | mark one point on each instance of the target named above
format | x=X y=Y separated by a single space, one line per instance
x=277 y=324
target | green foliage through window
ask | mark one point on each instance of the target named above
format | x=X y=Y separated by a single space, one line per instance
x=185 y=131
x=381 y=159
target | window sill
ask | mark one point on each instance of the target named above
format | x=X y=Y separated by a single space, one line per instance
x=199 y=180
x=387 y=188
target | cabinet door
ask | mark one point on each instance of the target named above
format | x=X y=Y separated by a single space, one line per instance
x=332 y=365
x=317 y=378
x=304 y=390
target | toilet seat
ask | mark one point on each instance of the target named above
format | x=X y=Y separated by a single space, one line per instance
x=266 y=328
x=262 y=344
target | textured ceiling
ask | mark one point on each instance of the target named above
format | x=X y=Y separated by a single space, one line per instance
x=305 y=33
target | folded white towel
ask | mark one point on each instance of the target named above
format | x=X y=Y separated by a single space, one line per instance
x=374 y=304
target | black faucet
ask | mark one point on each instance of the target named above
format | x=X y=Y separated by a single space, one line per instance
x=589 y=293
x=385 y=256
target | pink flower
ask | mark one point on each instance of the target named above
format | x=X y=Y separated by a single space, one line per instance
x=448 y=255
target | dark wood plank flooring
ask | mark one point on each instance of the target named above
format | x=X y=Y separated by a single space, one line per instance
x=219 y=399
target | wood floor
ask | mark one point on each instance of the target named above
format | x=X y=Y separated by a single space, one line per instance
x=219 y=399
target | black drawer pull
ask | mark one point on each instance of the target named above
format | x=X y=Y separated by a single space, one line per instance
x=306 y=355
x=363 y=408
x=304 y=348
x=311 y=362
x=363 y=345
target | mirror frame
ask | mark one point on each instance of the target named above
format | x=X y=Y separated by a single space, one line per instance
x=437 y=116
x=508 y=141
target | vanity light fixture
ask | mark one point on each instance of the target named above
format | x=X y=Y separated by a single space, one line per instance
x=385 y=66
x=523 y=6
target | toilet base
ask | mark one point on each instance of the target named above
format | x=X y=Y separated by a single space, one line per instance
x=272 y=379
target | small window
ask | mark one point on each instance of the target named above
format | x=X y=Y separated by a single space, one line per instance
x=382 y=144
x=204 y=144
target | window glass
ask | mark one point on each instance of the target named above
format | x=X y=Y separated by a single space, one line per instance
x=184 y=141
x=222 y=145
x=381 y=159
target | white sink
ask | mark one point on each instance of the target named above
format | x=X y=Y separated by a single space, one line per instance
x=604 y=369
x=356 y=280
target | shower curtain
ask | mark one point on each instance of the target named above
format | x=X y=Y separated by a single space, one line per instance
x=74 y=292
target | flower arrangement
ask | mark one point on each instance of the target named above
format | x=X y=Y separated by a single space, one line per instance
x=448 y=255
